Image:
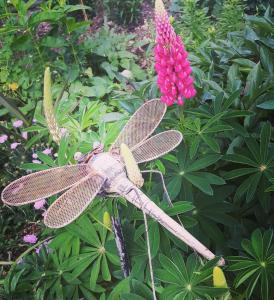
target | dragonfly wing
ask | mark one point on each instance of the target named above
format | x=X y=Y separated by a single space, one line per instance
x=157 y=146
x=142 y=124
x=73 y=202
x=43 y=184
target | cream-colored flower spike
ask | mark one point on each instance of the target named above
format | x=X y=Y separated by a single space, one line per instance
x=133 y=171
x=159 y=7
x=49 y=110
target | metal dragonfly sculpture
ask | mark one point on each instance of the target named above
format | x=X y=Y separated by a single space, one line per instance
x=106 y=172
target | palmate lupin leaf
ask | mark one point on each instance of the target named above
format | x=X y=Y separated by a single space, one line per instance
x=186 y=279
x=256 y=266
x=188 y=173
x=211 y=122
x=258 y=160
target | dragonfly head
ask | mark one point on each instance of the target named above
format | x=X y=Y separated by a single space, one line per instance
x=97 y=148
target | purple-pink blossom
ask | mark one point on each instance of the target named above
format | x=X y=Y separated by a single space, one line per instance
x=64 y=131
x=47 y=151
x=24 y=135
x=171 y=63
x=30 y=238
x=40 y=204
x=34 y=155
x=3 y=138
x=17 y=123
x=36 y=161
x=14 y=145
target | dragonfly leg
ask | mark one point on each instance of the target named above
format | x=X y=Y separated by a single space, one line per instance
x=163 y=183
x=121 y=246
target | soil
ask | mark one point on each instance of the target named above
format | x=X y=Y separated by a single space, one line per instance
x=142 y=30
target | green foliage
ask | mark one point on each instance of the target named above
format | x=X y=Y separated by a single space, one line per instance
x=258 y=162
x=194 y=24
x=123 y=11
x=230 y=18
x=220 y=179
x=256 y=267
x=186 y=279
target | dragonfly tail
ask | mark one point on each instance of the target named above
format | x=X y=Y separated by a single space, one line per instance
x=135 y=196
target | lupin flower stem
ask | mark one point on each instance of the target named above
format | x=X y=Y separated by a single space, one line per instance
x=48 y=108
x=171 y=64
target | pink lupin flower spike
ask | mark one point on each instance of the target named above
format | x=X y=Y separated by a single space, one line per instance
x=171 y=64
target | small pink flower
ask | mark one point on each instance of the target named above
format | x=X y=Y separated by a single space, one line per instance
x=24 y=135
x=36 y=161
x=64 y=131
x=40 y=204
x=34 y=155
x=3 y=138
x=14 y=145
x=47 y=151
x=17 y=123
x=171 y=64
x=34 y=121
x=30 y=238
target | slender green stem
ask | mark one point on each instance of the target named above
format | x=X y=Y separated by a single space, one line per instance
x=149 y=257
x=6 y=263
x=72 y=47
x=36 y=47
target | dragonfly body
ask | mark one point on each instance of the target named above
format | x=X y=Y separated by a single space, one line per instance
x=116 y=181
x=110 y=166
x=105 y=172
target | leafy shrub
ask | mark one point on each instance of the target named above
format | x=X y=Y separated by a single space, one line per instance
x=195 y=23
x=230 y=17
x=123 y=11
x=257 y=265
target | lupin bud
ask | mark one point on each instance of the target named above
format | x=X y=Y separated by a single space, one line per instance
x=107 y=220
x=133 y=171
x=219 y=280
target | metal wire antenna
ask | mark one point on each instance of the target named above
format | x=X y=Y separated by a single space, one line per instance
x=148 y=244
x=149 y=258
x=165 y=190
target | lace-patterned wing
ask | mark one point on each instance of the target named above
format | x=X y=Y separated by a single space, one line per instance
x=73 y=202
x=43 y=184
x=157 y=146
x=141 y=125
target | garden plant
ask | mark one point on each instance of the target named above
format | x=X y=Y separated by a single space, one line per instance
x=72 y=75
